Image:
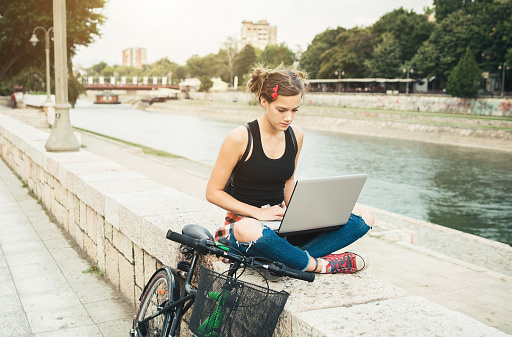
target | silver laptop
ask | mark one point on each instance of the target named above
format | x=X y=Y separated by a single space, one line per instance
x=319 y=204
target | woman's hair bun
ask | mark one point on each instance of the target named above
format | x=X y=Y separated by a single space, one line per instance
x=289 y=82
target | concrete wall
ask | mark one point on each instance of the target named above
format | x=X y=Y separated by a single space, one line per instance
x=426 y=103
x=119 y=218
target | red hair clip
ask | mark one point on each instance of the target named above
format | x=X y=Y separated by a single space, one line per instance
x=274 y=95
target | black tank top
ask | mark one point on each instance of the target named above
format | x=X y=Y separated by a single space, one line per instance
x=260 y=180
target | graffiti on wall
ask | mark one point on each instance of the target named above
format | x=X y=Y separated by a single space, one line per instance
x=428 y=103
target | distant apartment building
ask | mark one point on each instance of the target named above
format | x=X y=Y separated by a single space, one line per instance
x=258 y=34
x=135 y=57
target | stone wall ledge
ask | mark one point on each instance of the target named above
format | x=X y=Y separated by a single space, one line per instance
x=501 y=107
x=119 y=218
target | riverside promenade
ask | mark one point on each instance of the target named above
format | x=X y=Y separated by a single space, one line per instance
x=469 y=288
x=47 y=287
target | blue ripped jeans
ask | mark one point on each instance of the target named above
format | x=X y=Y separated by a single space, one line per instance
x=275 y=248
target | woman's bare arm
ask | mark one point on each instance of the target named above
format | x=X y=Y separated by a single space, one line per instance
x=290 y=183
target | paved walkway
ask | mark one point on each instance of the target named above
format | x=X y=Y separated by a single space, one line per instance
x=46 y=287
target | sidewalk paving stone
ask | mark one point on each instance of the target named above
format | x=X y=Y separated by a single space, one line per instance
x=43 y=287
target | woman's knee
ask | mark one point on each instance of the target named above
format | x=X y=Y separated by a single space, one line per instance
x=364 y=212
x=247 y=229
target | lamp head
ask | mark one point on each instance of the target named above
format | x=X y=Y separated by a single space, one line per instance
x=34 y=40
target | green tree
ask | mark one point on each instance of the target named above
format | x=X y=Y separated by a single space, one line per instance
x=464 y=80
x=206 y=83
x=408 y=28
x=447 y=44
x=493 y=20
x=75 y=89
x=310 y=60
x=108 y=71
x=485 y=26
x=97 y=68
x=180 y=74
x=19 y=18
x=163 y=67
x=204 y=68
x=385 y=61
x=273 y=55
x=245 y=60
x=443 y=8
x=353 y=47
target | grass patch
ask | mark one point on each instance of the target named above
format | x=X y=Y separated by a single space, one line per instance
x=93 y=270
x=145 y=149
x=334 y=109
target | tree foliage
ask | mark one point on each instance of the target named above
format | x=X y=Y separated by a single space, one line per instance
x=446 y=46
x=408 y=28
x=484 y=26
x=352 y=48
x=245 y=60
x=19 y=18
x=75 y=89
x=464 y=80
x=206 y=83
x=273 y=55
x=385 y=61
x=310 y=60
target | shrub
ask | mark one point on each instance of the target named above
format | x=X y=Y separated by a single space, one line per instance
x=465 y=78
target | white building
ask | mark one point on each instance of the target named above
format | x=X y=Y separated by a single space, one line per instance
x=258 y=34
x=135 y=57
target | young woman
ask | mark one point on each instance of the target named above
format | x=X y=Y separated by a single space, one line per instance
x=263 y=184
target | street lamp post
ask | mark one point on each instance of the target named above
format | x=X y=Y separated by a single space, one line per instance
x=339 y=73
x=62 y=137
x=407 y=70
x=34 y=40
x=502 y=67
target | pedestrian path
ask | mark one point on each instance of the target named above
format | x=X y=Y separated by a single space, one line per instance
x=46 y=287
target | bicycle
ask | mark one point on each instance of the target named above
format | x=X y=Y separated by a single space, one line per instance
x=163 y=304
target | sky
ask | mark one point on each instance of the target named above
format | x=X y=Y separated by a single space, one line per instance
x=180 y=29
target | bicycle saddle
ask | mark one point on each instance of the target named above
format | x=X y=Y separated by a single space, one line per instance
x=196 y=232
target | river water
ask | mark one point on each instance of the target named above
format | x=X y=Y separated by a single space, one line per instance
x=457 y=187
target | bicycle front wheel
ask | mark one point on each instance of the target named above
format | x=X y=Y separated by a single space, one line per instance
x=160 y=290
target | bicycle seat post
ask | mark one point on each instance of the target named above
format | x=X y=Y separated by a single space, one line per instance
x=187 y=288
x=190 y=274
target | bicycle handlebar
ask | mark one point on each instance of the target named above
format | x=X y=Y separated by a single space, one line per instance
x=210 y=247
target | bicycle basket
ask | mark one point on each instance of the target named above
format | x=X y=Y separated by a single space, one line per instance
x=225 y=306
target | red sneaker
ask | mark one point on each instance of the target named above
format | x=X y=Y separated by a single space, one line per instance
x=346 y=263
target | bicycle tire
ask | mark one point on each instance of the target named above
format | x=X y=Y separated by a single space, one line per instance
x=161 y=288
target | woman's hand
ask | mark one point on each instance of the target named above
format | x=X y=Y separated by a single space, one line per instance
x=269 y=213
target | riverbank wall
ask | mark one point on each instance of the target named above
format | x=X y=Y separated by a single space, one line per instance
x=484 y=132
x=119 y=219
x=500 y=107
